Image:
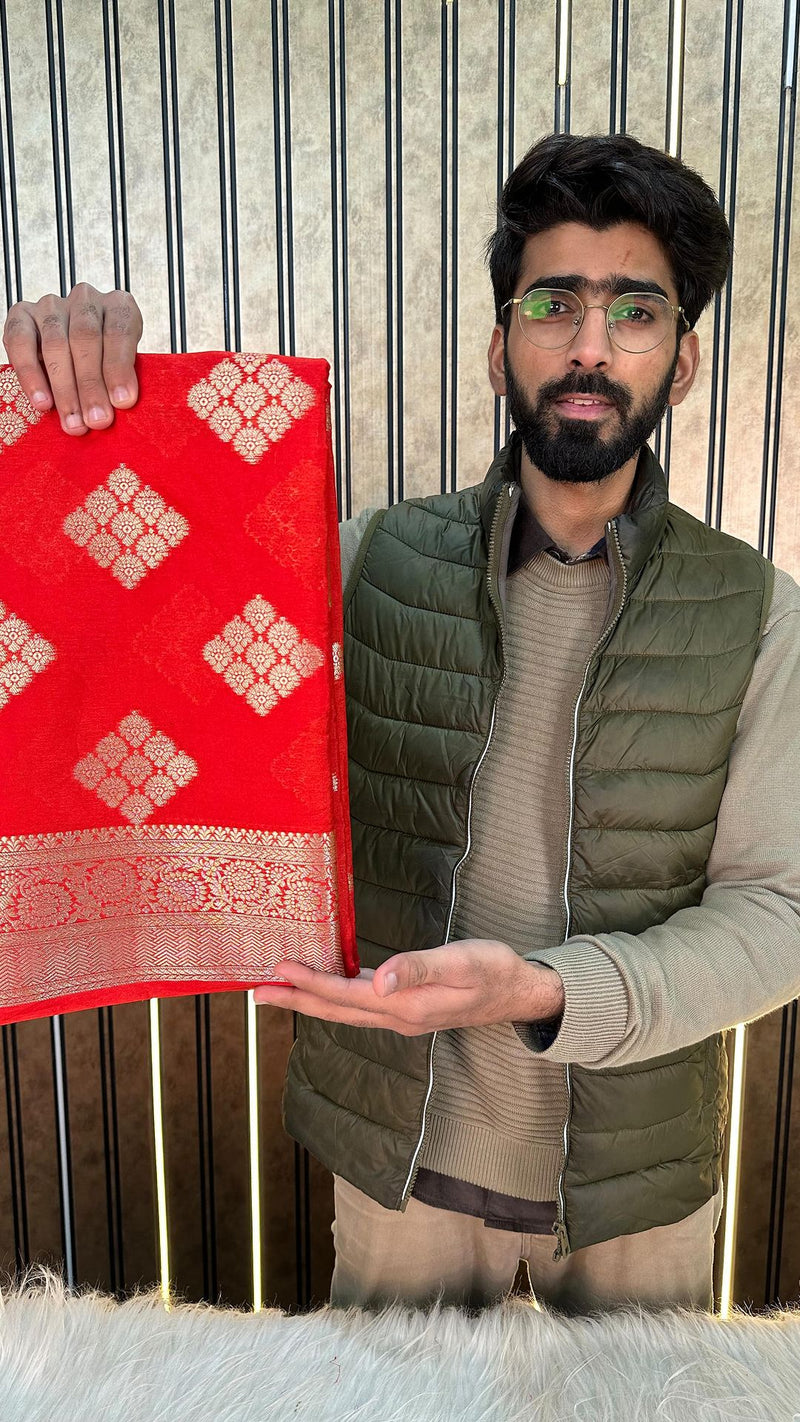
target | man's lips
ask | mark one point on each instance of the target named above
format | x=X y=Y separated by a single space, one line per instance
x=583 y=407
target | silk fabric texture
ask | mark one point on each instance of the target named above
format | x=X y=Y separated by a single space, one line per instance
x=173 y=801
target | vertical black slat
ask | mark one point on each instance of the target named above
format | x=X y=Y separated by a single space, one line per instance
x=389 y=247
x=623 y=79
x=112 y=171
x=787 y=1123
x=176 y=158
x=205 y=1142
x=727 y=197
x=278 y=162
x=501 y=106
x=16 y=1149
x=4 y=227
x=108 y=1091
x=15 y=293
x=123 y=188
x=61 y=1107
x=287 y=150
x=445 y=120
x=63 y=260
x=512 y=99
x=398 y=170
x=162 y=58
x=223 y=182
x=339 y=256
x=562 y=99
x=232 y=178
x=62 y=93
x=779 y=287
x=670 y=77
x=454 y=257
x=613 y=68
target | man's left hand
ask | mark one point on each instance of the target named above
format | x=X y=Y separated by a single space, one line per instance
x=470 y=983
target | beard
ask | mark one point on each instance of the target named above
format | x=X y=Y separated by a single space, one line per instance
x=575 y=451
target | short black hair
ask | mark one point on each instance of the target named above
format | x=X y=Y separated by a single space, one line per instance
x=600 y=181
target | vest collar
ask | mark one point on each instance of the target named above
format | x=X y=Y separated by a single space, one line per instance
x=639 y=529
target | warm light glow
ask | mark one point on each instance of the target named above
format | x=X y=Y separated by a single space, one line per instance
x=158 y=1137
x=255 y=1177
x=564 y=26
x=732 y=1180
x=676 y=41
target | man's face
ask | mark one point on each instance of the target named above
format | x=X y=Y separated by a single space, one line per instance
x=568 y=439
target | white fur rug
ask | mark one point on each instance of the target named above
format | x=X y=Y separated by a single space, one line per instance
x=89 y=1359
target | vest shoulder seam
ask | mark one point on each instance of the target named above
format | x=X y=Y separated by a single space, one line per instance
x=415 y=607
x=434 y=557
x=424 y=666
x=394 y=775
x=403 y=720
x=473 y=522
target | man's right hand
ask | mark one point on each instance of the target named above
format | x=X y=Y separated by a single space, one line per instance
x=77 y=353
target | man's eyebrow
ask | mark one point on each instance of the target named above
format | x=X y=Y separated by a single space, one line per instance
x=617 y=284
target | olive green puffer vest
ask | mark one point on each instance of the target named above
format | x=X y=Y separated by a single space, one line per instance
x=654 y=725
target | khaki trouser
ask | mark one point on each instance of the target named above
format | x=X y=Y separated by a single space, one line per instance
x=425 y=1254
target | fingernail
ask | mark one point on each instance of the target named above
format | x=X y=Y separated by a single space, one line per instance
x=40 y=397
x=389 y=984
x=120 y=394
x=97 y=414
x=74 y=422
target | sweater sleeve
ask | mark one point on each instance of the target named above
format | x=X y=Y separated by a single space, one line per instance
x=735 y=955
x=351 y=532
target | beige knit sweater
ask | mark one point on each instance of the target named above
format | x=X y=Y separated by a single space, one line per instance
x=498 y=1107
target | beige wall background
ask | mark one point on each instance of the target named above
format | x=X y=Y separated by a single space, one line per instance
x=319 y=177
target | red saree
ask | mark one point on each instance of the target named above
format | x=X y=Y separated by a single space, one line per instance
x=173 y=801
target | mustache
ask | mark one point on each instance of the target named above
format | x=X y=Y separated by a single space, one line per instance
x=588 y=383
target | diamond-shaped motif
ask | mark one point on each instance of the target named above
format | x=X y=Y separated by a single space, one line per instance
x=126 y=526
x=127 y=769
x=261 y=656
x=250 y=402
x=23 y=653
x=16 y=412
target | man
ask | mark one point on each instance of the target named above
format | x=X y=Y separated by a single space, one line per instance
x=575 y=847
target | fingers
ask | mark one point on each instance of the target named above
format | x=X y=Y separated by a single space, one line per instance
x=78 y=353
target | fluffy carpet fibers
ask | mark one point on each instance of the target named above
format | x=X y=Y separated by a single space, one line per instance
x=82 y=1359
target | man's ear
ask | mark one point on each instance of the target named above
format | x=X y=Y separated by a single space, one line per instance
x=497 y=359
x=686 y=369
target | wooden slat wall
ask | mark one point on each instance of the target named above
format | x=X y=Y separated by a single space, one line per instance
x=318 y=176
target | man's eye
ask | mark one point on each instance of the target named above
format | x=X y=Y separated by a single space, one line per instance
x=638 y=315
x=541 y=308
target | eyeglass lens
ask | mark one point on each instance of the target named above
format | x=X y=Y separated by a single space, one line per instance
x=637 y=321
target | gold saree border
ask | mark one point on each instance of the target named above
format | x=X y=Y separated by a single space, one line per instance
x=96 y=909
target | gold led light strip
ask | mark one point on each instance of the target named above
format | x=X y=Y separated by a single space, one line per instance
x=158 y=1137
x=732 y=1179
x=255 y=1176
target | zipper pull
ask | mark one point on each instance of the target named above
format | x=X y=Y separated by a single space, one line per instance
x=562 y=1247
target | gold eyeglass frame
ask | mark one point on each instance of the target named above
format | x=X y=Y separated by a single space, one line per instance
x=595 y=306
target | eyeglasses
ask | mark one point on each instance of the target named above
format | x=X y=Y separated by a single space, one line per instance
x=638 y=321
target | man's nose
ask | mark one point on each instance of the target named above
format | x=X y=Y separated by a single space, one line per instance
x=591 y=345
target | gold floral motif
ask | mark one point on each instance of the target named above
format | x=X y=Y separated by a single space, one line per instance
x=102 y=908
x=126 y=526
x=250 y=402
x=134 y=768
x=261 y=656
x=16 y=412
x=23 y=653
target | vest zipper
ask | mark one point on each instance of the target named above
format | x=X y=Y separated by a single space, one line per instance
x=560 y=1226
x=498 y=521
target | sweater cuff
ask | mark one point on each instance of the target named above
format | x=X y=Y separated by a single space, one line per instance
x=595 y=1017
